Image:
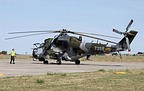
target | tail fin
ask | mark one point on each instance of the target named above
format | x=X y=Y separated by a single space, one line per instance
x=124 y=44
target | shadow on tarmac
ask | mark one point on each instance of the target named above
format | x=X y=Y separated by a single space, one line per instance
x=82 y=64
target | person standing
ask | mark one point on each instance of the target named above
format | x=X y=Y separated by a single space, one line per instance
x=13 y=55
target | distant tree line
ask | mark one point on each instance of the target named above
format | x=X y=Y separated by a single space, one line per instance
x=3 y=52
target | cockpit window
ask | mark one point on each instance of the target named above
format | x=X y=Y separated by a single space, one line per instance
x=62 y=44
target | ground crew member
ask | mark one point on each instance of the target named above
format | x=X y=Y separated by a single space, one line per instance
x=13 y=55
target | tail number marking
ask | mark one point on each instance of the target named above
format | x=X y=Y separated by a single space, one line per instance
x=99 y=48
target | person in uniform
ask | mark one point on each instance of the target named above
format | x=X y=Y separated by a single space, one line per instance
x=13 y=55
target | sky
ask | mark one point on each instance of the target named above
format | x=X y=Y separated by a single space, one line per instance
x=90 y=16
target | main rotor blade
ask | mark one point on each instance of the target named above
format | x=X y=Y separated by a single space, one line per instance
x=116 y=31
x=45 y=31
x=100 y=35
x=92 y=37
x=24 y=36
x=130 y=23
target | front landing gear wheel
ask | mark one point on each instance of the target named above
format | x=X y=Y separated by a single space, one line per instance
x=44 y=61
x=77 y=62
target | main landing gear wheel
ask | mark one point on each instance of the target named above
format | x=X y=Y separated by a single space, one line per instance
x=77 y=62
x=45 y=62
x=59 y=59
x=58 y=62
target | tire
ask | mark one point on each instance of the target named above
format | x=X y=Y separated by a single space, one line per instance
x=58 y=62
x=45 y=62
x=77 y=62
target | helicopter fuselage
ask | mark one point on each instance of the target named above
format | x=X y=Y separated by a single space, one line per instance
x=68 y=48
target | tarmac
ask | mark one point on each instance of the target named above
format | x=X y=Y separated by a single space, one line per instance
x=29 y=67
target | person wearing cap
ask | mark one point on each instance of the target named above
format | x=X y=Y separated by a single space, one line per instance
x=13 y=55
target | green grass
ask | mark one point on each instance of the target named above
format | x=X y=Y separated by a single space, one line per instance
x=133 y=80
x=40 y=81
x=110 y=58
x=17 y=56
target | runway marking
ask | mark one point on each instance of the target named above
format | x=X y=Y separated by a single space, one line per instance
x=120 y=72
x=1 y=74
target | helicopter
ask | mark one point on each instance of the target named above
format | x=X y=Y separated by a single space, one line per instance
x=71 y=48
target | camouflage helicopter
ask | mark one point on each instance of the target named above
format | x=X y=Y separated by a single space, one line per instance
x=71 y=48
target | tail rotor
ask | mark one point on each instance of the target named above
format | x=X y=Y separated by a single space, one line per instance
x=126 y=33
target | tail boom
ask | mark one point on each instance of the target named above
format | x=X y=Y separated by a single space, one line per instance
x=123 y=45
